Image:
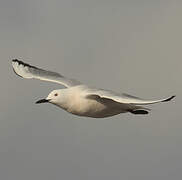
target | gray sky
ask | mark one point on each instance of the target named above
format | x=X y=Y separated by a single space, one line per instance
x=126 y=46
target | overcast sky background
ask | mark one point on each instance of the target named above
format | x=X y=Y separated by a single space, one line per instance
x=132 y=46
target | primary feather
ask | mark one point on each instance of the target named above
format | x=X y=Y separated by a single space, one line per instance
x=27 y=71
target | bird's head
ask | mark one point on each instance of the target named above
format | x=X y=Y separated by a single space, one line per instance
x=54 y=97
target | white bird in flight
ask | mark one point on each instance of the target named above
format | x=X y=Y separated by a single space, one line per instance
x=83 y=100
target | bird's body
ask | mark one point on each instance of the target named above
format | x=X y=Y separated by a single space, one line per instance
x=83 y=100
x=76 y=101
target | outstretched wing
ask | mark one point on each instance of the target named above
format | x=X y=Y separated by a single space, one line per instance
x=102 y=95
x=139 y=101
x=27 y=71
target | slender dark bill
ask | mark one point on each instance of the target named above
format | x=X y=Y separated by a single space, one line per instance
x=42 y=101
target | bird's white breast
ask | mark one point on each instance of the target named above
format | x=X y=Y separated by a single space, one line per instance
x=76 y=102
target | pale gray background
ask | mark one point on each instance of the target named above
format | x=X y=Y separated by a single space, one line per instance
x=132 y=46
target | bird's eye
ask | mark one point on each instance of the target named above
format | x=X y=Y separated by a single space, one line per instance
x=56 y=94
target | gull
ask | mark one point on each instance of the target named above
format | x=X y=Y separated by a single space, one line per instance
x=83 y=100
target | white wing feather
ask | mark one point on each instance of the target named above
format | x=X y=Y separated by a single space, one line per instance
x=124 y=98
x=27 y=71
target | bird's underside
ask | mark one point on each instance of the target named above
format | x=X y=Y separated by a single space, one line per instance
x=89 y=101
x=97 y=107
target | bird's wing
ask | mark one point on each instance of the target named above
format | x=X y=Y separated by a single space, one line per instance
x=108 y=96
x=27 y=71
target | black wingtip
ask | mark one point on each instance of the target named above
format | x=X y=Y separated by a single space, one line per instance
x=169 y=99
x=14 y=60
x=22 y=63
x=18 y=61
